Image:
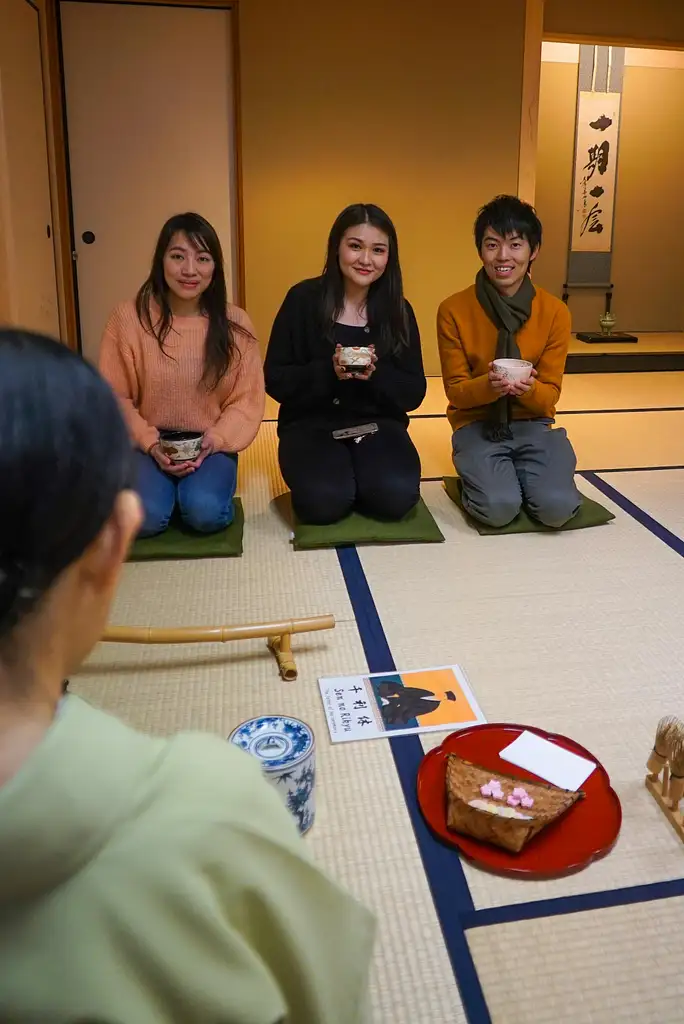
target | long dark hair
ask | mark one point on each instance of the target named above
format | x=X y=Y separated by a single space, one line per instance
x=64 y=458
x=220 y=349
x=386 y=309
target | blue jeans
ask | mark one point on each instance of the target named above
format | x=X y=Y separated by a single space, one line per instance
x=205 y=497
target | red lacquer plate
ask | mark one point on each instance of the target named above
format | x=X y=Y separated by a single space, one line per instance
x=585 y=833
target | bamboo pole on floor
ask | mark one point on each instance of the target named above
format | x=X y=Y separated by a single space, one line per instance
x=277 y=634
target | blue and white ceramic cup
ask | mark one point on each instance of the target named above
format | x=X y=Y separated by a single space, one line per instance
x=286 y=749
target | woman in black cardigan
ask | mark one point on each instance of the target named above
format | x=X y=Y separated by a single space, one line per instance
x=357 y=302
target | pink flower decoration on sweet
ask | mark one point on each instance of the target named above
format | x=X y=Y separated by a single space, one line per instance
x=519 y=792
x=527 y=801
x=492 y=789
x=513 y=801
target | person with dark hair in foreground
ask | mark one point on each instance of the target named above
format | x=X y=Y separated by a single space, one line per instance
x=358 y=302
x=181 y=358
x=141 y=879
x=505 y=449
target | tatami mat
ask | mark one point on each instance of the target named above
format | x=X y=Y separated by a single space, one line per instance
x=648 y=342
x=434 y=403
x=561 y=631
x=617 y=966
x=659 y=494
x=592 y=391
x=581 y=392
x=587 y=391
x=623 y=440
x=223 y=591
x=601 y=441
x=271 y=410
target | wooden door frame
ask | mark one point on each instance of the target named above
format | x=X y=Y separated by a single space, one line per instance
x=57 y=169
x=58 y=152
x=529 y=99
x=592 y=39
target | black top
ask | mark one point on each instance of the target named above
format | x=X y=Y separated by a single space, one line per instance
x=300 y=375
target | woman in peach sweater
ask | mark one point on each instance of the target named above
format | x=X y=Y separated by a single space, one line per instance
x=179 y=357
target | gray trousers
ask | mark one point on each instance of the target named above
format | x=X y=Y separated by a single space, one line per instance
x=536 y=469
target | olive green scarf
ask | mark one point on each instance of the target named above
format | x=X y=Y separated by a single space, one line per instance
x=508 y=315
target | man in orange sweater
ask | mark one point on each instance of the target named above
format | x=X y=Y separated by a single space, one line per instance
x=505 y=449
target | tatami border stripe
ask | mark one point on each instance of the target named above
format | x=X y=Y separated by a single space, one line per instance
x=443 y=868
x=605 y=412
x=577 y=904
x=631 y=469
x=643 y=518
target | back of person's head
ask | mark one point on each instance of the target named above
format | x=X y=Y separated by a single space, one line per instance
x=509 y=216
x=385 y=305
x=65 y=461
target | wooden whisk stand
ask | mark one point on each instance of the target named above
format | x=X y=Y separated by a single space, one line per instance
x=665 y=779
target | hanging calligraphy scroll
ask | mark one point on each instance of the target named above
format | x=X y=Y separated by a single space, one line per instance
x=590 y=250
x=592 y=212
x=598 y=116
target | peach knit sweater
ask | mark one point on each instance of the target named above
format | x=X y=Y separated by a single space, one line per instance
x=158 y=390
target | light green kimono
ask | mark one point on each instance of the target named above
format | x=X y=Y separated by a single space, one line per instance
x=147 y=881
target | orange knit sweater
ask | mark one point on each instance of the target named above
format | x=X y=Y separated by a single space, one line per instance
x=467 y=344
x=164 y=390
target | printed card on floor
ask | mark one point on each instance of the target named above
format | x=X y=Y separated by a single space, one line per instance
x=398 y=703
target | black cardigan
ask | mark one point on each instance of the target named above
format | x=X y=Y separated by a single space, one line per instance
x=300 y=375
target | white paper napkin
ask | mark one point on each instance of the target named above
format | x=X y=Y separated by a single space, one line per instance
x=549 y=761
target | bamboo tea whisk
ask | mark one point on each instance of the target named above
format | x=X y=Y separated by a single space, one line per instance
x=668 y=728
x=675 y=790
x=665 y=781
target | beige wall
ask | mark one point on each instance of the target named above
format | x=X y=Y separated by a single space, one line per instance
x=644 y=21
x=555 y=144
x=414 y=106
x=649 y=196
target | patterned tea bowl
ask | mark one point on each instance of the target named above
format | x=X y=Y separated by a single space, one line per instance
x=286 y=749
x=513 y=369
x=357 y=358
x=180 y=445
